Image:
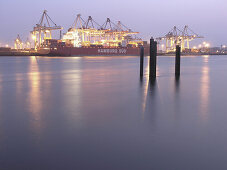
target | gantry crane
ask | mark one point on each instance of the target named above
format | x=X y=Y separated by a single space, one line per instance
x=78 y=23
x=188 y=35
x=89 y=32
x=178 y=37
x=18 y=44
x=42 y=30
x=83 y=33
x=28 y=44
x=119 y=33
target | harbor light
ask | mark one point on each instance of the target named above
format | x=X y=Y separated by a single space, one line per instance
x=207 y=45
x=163 y=47
x=33 y=37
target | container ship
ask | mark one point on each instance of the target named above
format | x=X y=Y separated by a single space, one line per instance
x=87 y=38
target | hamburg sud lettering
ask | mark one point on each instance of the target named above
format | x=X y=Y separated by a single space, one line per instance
x=112 y=51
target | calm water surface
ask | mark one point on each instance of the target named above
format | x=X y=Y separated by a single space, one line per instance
x=94 y=113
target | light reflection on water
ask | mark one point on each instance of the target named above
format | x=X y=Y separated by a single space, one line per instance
x=205 y=89
x=145 y=80
x=34 y=101
x=96 y=113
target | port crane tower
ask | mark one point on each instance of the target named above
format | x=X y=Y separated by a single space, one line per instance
x=18 y=44
x=179 y=37
x=27 y=44
x=118 y=33
x=83 y=33
x=43 y=30
x=89 y=32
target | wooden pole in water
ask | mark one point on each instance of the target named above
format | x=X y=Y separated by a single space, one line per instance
x=177 y=62
x=153 y=58
x=60 y=34
x=141 y=60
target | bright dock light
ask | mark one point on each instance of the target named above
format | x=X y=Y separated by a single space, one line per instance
x=207 y=45
x=33 y=37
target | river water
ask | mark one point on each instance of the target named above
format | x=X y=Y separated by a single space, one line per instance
x=89 y=113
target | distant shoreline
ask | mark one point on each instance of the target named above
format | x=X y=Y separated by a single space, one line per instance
x=33 y=53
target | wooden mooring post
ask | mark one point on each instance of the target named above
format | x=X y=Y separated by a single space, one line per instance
x=141 y=60
x=153 y=58
x=177 y=61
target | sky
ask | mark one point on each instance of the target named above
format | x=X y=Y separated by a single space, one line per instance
x=152 y=18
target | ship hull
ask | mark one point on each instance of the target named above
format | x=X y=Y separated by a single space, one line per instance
x=95 y=51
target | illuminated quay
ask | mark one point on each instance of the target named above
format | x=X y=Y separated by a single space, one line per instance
x=88 y=38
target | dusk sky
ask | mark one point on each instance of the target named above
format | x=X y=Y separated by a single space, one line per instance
x=149 y=17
